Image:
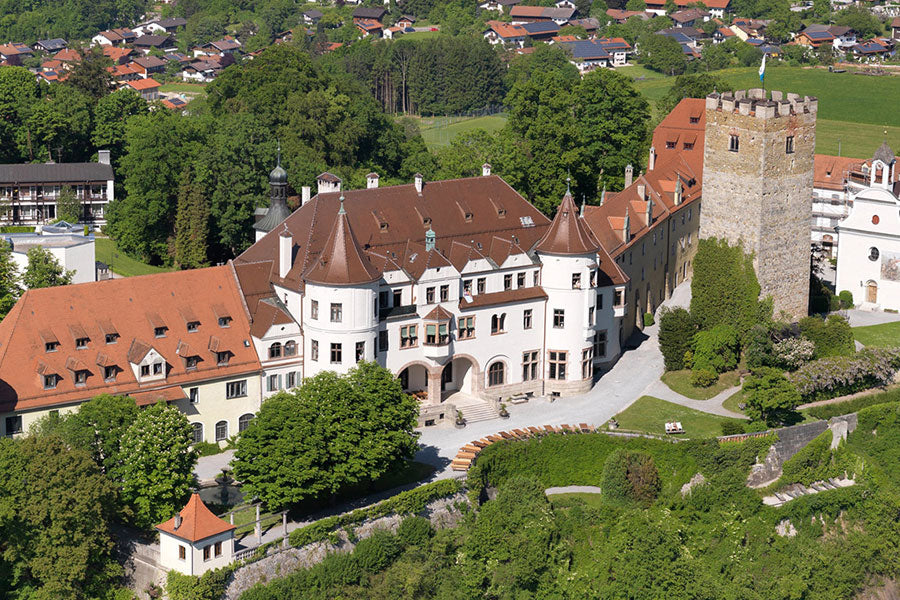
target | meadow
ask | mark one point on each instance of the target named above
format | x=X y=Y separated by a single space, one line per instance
x=120 y=263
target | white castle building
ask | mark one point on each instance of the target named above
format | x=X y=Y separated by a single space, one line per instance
x=462 y=288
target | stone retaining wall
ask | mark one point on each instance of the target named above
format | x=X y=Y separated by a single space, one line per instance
x=281 y=562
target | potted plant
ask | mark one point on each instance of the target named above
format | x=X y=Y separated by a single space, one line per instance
x=503 y=412
x=460 y=420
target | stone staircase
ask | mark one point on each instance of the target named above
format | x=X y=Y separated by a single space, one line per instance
x=797 y=490
x=475 y=412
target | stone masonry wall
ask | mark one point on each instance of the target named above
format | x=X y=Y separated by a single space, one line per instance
x=760 y=194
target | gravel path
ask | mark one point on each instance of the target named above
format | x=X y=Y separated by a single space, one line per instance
x=573 y=489
x=713 y=405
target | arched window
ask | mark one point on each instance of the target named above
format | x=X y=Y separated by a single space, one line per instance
x=496 y=374
x=290 y=348
x=221 y=431
x=197 y=433
x=275 y=350
x=244 y=422
x=498 y=323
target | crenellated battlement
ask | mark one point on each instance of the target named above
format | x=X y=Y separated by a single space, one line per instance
x=757 y=102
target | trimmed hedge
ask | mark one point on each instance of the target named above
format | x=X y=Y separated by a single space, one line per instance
x=827 y=411
x=404 y=503
x=676 y=330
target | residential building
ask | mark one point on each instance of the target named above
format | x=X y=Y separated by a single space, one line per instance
x=183 y=338
x=721 y=34
x=365 y=13
x=162 y=26
x=148 y=42
x=716 y=8
x=689 y=17
x=504 y=33
x=895 y=28
x=872 y=50
x=195 y=540
x=586 y=55
x=146 y=66
x=868 y=263
x=114 y=37
x=28 y=192
x=521 y=15
x=73 y=250
x=148 y=88
x=618 y=50
x=14 y=52
x=500 y=6
x=54 y=45
x=540 y=31
x=312 y=16
x=369 y=27
x=621 y=16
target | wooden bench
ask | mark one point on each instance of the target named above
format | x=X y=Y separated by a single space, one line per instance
x=585 y=428
x=549 y=429
x=535 y=431
x=507 y=435
x=460 y=465
x=471 y=448
x=479 y=444
x=521 y=434
x=469 y=455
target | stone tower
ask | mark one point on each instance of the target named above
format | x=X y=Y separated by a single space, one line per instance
x=757 y=186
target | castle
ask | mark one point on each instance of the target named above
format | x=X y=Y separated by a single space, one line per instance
x=461 y=288
x=758 y=180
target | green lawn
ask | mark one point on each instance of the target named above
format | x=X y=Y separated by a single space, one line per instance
x=420 y=35
x=867 y=108
x=640 y=72
x=121 y=263
x=649 y=414
x=680 y=382
x=439 y=131
x=886 y=334
x=184 y=88
x=731 y=403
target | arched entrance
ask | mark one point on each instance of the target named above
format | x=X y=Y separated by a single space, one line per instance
x=458 y=376
x=872 y=292
x=414 y=378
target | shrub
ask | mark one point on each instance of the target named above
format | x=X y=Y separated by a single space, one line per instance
x=210 y=586
x=676 y=330
x=377 y=551
x=771 y=397
x=759 y=352
x=840 y=375
x=207 y=448
x=630 y=477
x=827 y=411
x=717 y=349
x=415 y=531
x=831 y=336
x=732 y=427
x=811 y=463
x=846 y=298
x=648 y=319
x=792 y=353
x=703 y=377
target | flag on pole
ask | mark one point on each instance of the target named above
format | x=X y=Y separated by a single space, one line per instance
x=762 y=69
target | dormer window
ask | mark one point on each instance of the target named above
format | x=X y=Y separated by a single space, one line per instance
x=426 y=221
x=383 y=227
x=160 y=332
x=145 y=370
x=222 y=358
x=191 y=362
x=81 y=343
x=193 y=326
x=468 y=216
x=224 y=321
x=50 y=382
x=81 y=377
x=112 y=338
x=157 y=368
x=51 y=346
x=109 y=373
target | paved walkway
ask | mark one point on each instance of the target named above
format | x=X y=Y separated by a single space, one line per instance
x=861 y=318
x=209 y=466
x=572 y=489
x=713 y=405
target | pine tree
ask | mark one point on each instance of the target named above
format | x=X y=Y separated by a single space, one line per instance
x=191 y=224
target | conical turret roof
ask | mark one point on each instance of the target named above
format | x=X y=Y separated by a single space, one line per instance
x=277 y=213
x=341 y=261
x=568 y=233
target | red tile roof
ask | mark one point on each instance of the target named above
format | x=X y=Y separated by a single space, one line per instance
x=568 y=234
x=197 y=522
x=144 y=84
x=829 y=171
x=505 y=297
x=677 y=128
x=67 y=55
x=341 y=261
x=128 y=307
x=505 y=30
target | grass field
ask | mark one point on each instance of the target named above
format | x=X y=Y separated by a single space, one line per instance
x=121 y=263
x=731 y=403
x=680 y=382
x=420 y=35
x=886 y=334
x=854 y=110
x=439 y=131
x=650 y=415
x=184 y=88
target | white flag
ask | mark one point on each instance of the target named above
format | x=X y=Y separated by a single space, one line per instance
x=762 y=69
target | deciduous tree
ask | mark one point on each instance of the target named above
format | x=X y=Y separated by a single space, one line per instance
x=44 y=270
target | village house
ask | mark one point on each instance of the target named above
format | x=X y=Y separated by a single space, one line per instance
x=721 y=34
x=621 y=16
x=369 y=27
x=500 y=6
x=146 y=66
x=521 y=15
x=365 y=13
x=50 y=46
x=716 y=8
x=148 y=42
x=14 y=52
x=28 y=192
x=168 y=26
x=312 y=16
x=148 y=88
x=540 y=31
x=895 y=28
x=499 y=32
x=586 y=55
x=689 y=17
x=868 y=262
x=195 y=540
x=114 y=37
x=118 y=56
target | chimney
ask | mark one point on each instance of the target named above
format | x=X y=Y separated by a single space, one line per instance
x=371 y=181
x=627 y=225
x=177 y=521
x=641 y=190
x=285 y=249
x=485 y=169
x=327 y=183
x=652 y=162
x=678 y=190
x=103 y=157
x=629 y=175
x=419 y=182
x=306 y=192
